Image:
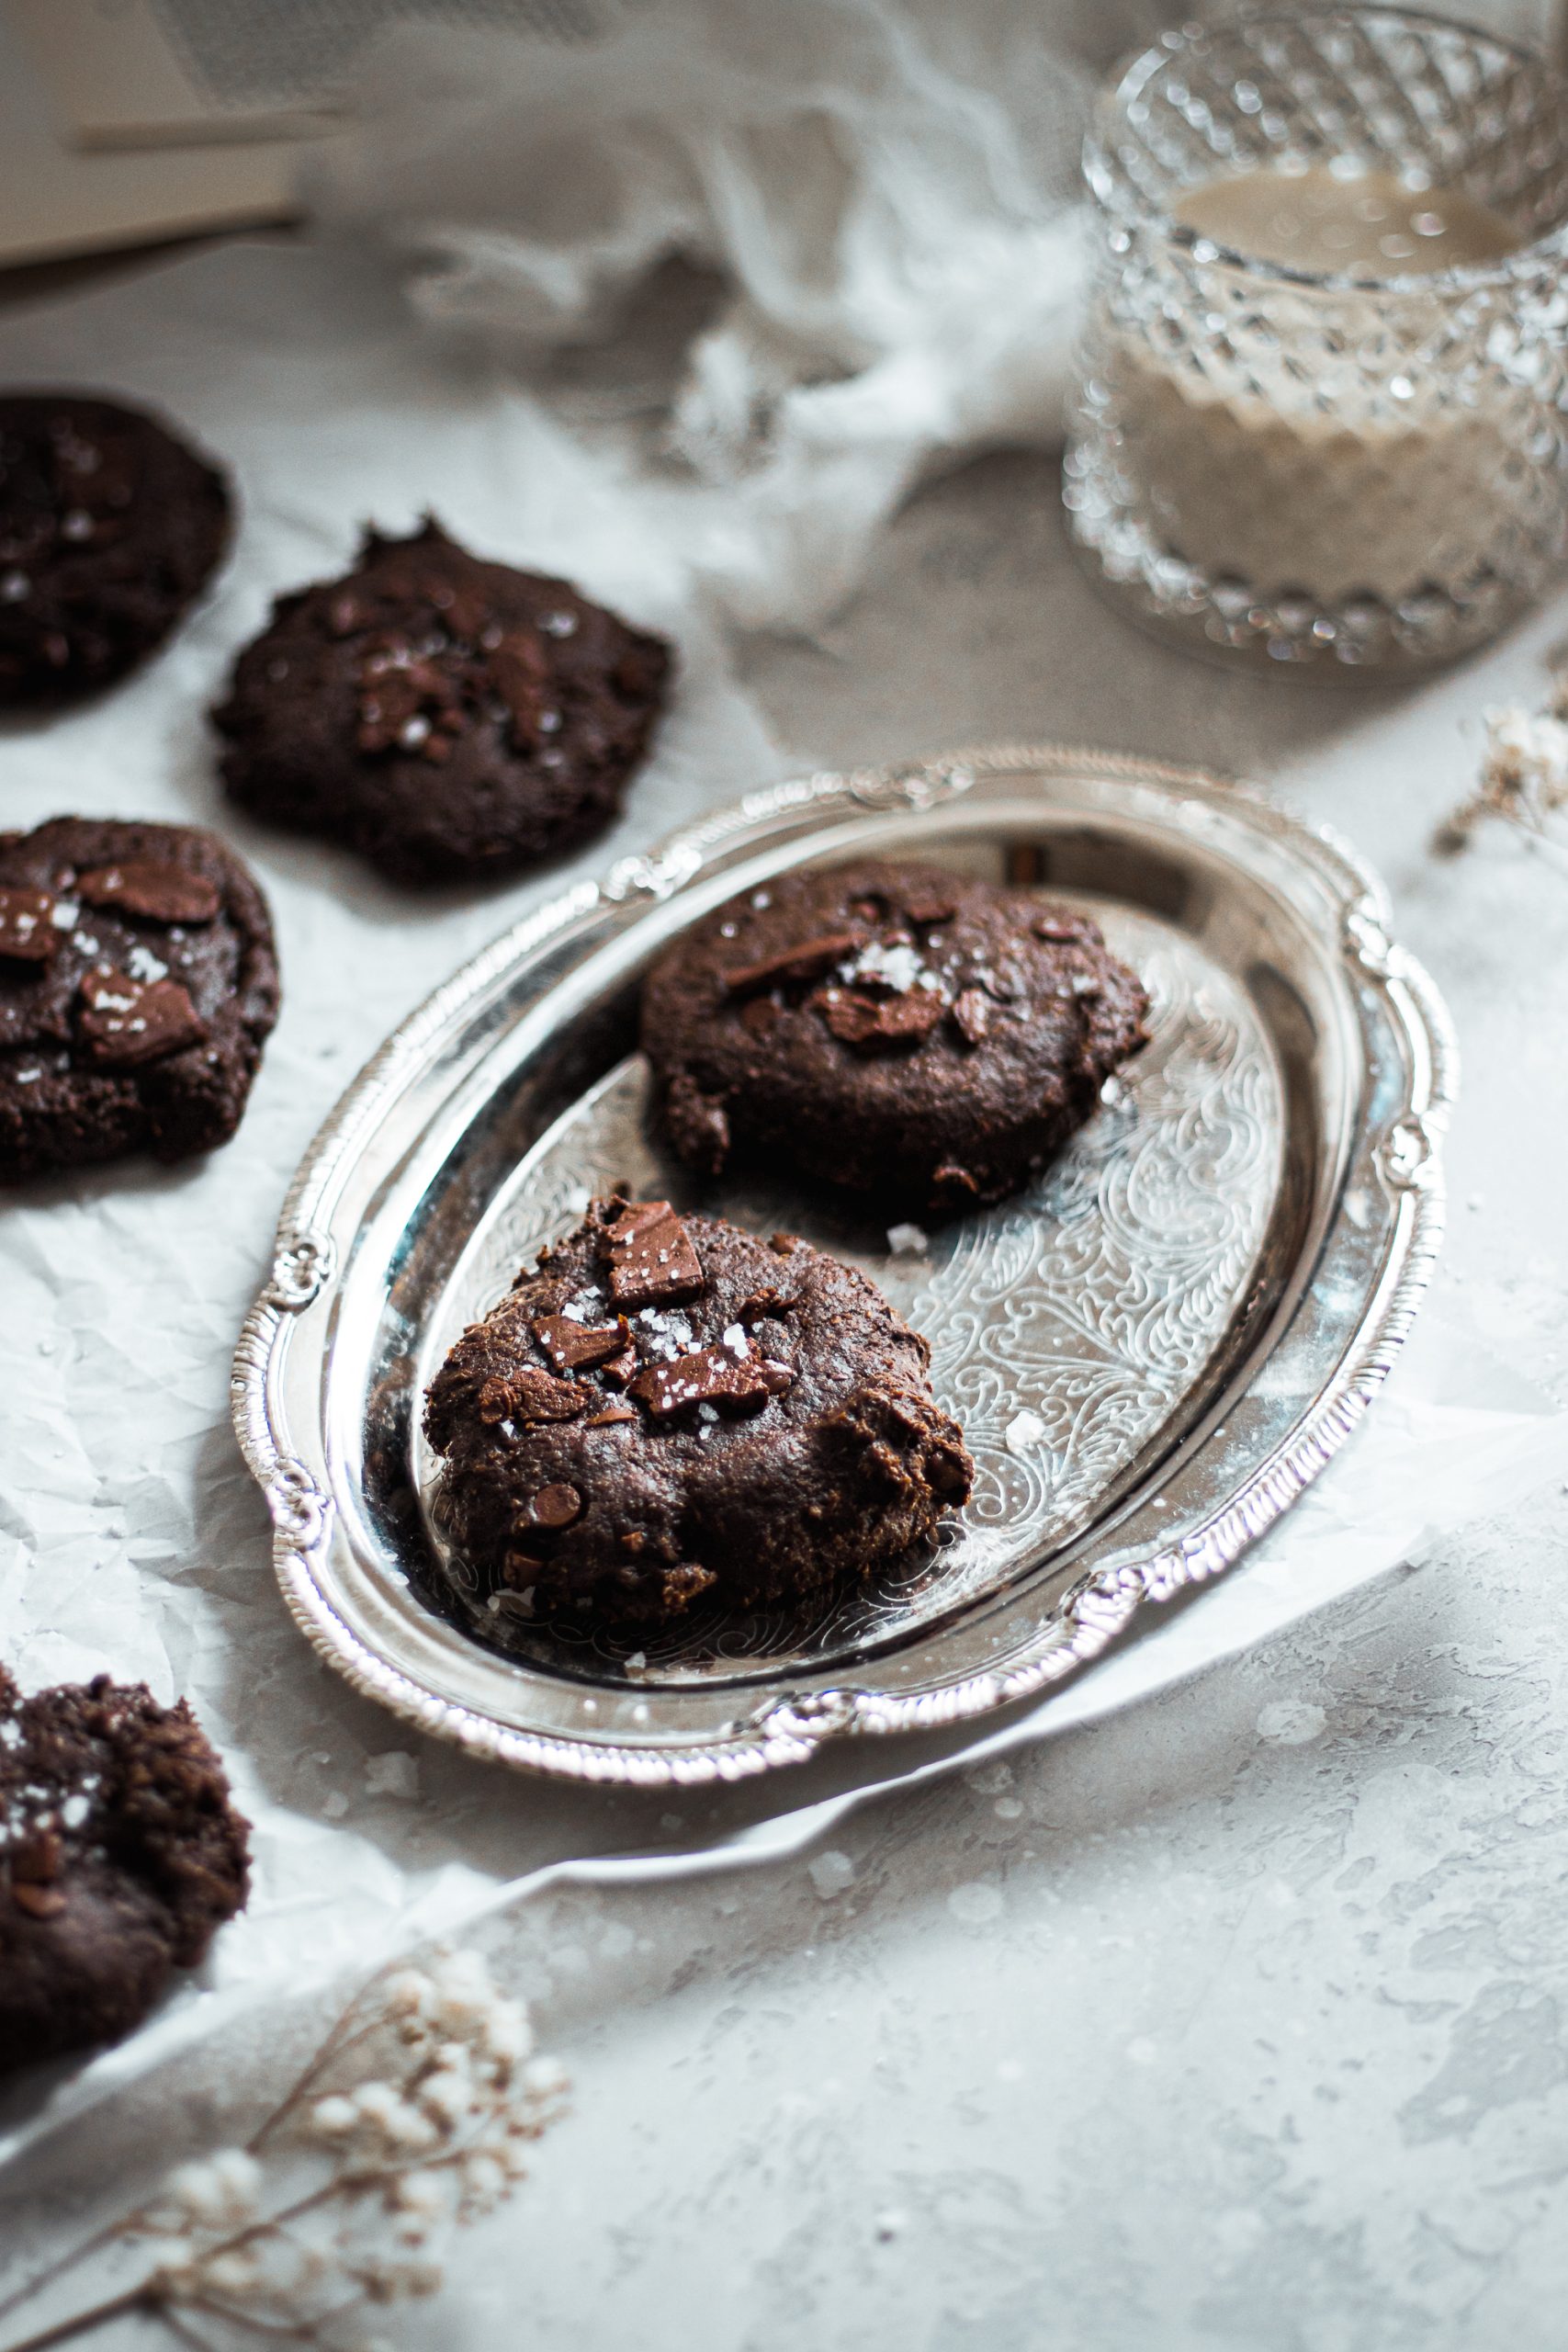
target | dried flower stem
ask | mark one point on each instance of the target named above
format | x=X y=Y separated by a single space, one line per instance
x=82 y=2323
x=1524 y=776
x=56 y=2270
x=432 y=2139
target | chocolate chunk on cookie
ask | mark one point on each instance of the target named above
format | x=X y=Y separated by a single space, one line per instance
x=120 y=1855
x=755 y=1430
x=138 y=985
x=442 y=715
x=927 y=1040
x=110 y=526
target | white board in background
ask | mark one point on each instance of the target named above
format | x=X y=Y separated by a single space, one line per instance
x=55 y=202
x=119 y=77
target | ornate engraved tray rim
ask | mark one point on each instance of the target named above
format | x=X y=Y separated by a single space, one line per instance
x=1222 y=1493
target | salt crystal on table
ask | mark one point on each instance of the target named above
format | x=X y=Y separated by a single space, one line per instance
x=393 y=1774
x=830 y=1873
x=908 y=1240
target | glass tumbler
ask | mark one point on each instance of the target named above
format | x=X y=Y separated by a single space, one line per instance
x=1284 y=467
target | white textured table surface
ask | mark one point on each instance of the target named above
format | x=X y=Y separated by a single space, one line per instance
x=1238 y=2019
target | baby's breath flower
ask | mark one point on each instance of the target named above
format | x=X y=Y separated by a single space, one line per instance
x=331 y=2118
x=420 y=2192
x=484 y=2182
x=438 y=2134
x=510 y=2149
x=408 y=1993
x=545 y=2077
x=1523 y=771
x=461 y=1972
x=447 y=2096
x=465 y=1995
x=374 y=2100
x=508 y=2036
x=234 y=2273
x=389 y=2282
x=172 y=2260
x=220 y=2188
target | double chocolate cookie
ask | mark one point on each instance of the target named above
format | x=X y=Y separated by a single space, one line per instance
x=138 y=984
x=442 y=715
x=893 y=1029
x=110 y=526
x=120 y=1855
x=667 y=1411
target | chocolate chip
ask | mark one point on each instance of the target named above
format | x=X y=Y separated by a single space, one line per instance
x=28 y=931
x=775 y=1376
x=1059 y=926
x=952 y=1178
x=759 y=1014
x=652 y=1263
x=619 y=1369
x=768 y=1302
x=556 y=1507
x=972 y=1013
x=463 y=610
x=807 y=962
x=877 y=1025
x=123 y=1023
x=929 y=905
x=520 y=675
x=38 y=1902
x=529 y=1395
x=610 y=1418
x=577 y=1347
x=37 y=1858
x=407 y=701
x=706 y=1376
x=147 y=887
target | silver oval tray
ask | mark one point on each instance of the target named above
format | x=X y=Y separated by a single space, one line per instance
x=1152 y=1353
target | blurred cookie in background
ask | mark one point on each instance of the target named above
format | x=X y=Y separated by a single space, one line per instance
x=110 y=527
x=443 y=715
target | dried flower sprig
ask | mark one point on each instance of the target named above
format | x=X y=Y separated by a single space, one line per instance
x=1524 y=773
x=415 y=2117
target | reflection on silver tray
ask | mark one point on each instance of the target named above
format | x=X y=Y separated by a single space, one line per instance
x=1151 y=1352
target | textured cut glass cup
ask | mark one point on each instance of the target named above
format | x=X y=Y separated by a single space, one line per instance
x=1291 y=468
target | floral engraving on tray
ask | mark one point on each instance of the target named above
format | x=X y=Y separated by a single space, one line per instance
x=1067 y=1326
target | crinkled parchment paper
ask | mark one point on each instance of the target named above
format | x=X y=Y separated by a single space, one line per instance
x=130 y=1537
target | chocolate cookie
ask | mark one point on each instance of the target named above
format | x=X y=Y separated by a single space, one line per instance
x=138 y=984
x=927 y=1040
x=120 y=1855
x=110 y=528
x=443 y=715
x=667 y=1409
